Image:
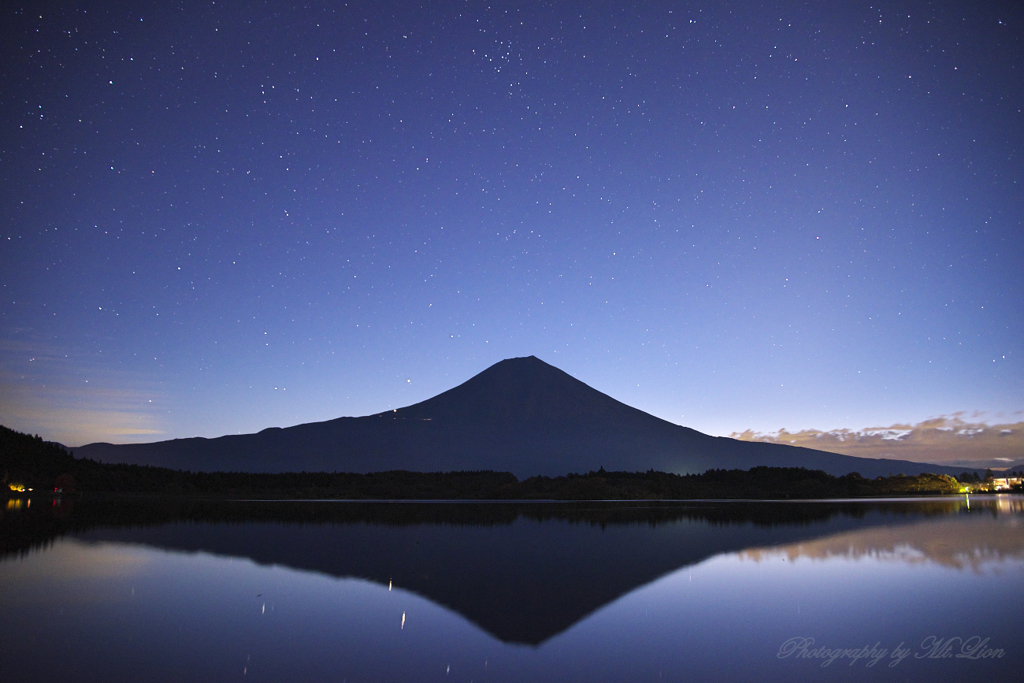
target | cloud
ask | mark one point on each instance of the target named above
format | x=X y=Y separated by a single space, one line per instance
x=60 y=416
x=945 y=439
x=68 y=397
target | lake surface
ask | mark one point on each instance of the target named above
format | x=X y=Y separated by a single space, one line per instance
x=156 y=589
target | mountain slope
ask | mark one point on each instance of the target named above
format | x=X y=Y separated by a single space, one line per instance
x=520 y=415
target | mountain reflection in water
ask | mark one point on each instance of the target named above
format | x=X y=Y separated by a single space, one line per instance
x=166 y=590
x=521 y=572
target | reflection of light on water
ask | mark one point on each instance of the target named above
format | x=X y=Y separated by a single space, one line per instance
x=1009 y=504
x=403 y=621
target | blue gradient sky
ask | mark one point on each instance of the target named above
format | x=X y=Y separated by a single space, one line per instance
x=217 y=218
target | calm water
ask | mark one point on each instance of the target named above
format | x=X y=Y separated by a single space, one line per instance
x=288 y=591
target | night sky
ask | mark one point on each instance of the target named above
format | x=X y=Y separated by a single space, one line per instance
x=220 y=217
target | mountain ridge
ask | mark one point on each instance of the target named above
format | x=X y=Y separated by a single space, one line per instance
x=520 y=415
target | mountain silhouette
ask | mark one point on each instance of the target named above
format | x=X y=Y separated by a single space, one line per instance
x=520 y=415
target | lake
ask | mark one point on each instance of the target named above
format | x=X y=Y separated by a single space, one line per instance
x=157 y=589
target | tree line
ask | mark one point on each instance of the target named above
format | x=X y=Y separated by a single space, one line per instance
x=29 y=462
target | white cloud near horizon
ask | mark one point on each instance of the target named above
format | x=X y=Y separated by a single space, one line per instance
x=944 y=439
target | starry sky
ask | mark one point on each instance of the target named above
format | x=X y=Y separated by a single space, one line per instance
x=218 y=217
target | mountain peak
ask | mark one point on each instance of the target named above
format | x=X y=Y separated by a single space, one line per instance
x=519 y=389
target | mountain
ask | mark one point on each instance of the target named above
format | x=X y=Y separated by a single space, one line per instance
x=520 y=415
